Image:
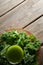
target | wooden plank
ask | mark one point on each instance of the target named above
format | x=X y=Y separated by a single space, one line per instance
x=37 y=28
x=19 y=13
x=35 y=1
x=22 y=15
x=28 y=3
x=5 y=5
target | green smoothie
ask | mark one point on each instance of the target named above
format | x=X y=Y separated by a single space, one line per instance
x=14 y=54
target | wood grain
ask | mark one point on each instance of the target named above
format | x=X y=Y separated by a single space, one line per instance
x=22 y=15
x=35 y=1
x=17 y=16
x=37 y=28
x=6 y=5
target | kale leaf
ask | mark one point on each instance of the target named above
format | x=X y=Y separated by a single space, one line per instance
x=28 y=43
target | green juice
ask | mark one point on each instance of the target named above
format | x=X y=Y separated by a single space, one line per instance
x=14 y=54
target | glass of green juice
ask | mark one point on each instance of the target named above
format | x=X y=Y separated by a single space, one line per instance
x=14 y=54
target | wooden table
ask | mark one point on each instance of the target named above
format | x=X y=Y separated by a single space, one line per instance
x=25 y=14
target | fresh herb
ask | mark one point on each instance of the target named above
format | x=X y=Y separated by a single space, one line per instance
x=28 y=43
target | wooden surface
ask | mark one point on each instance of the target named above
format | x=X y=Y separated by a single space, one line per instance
x=6 y=5
x=22 y=15
x=37 y=28
x=25 y=14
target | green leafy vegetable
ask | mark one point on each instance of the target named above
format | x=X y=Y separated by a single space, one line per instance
x=28 y=43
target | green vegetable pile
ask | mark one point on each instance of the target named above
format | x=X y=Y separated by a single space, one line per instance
x=28 y=43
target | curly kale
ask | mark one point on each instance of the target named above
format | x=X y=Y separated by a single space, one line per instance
x=28 y=43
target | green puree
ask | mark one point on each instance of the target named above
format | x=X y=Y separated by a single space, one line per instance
x=18 y=47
